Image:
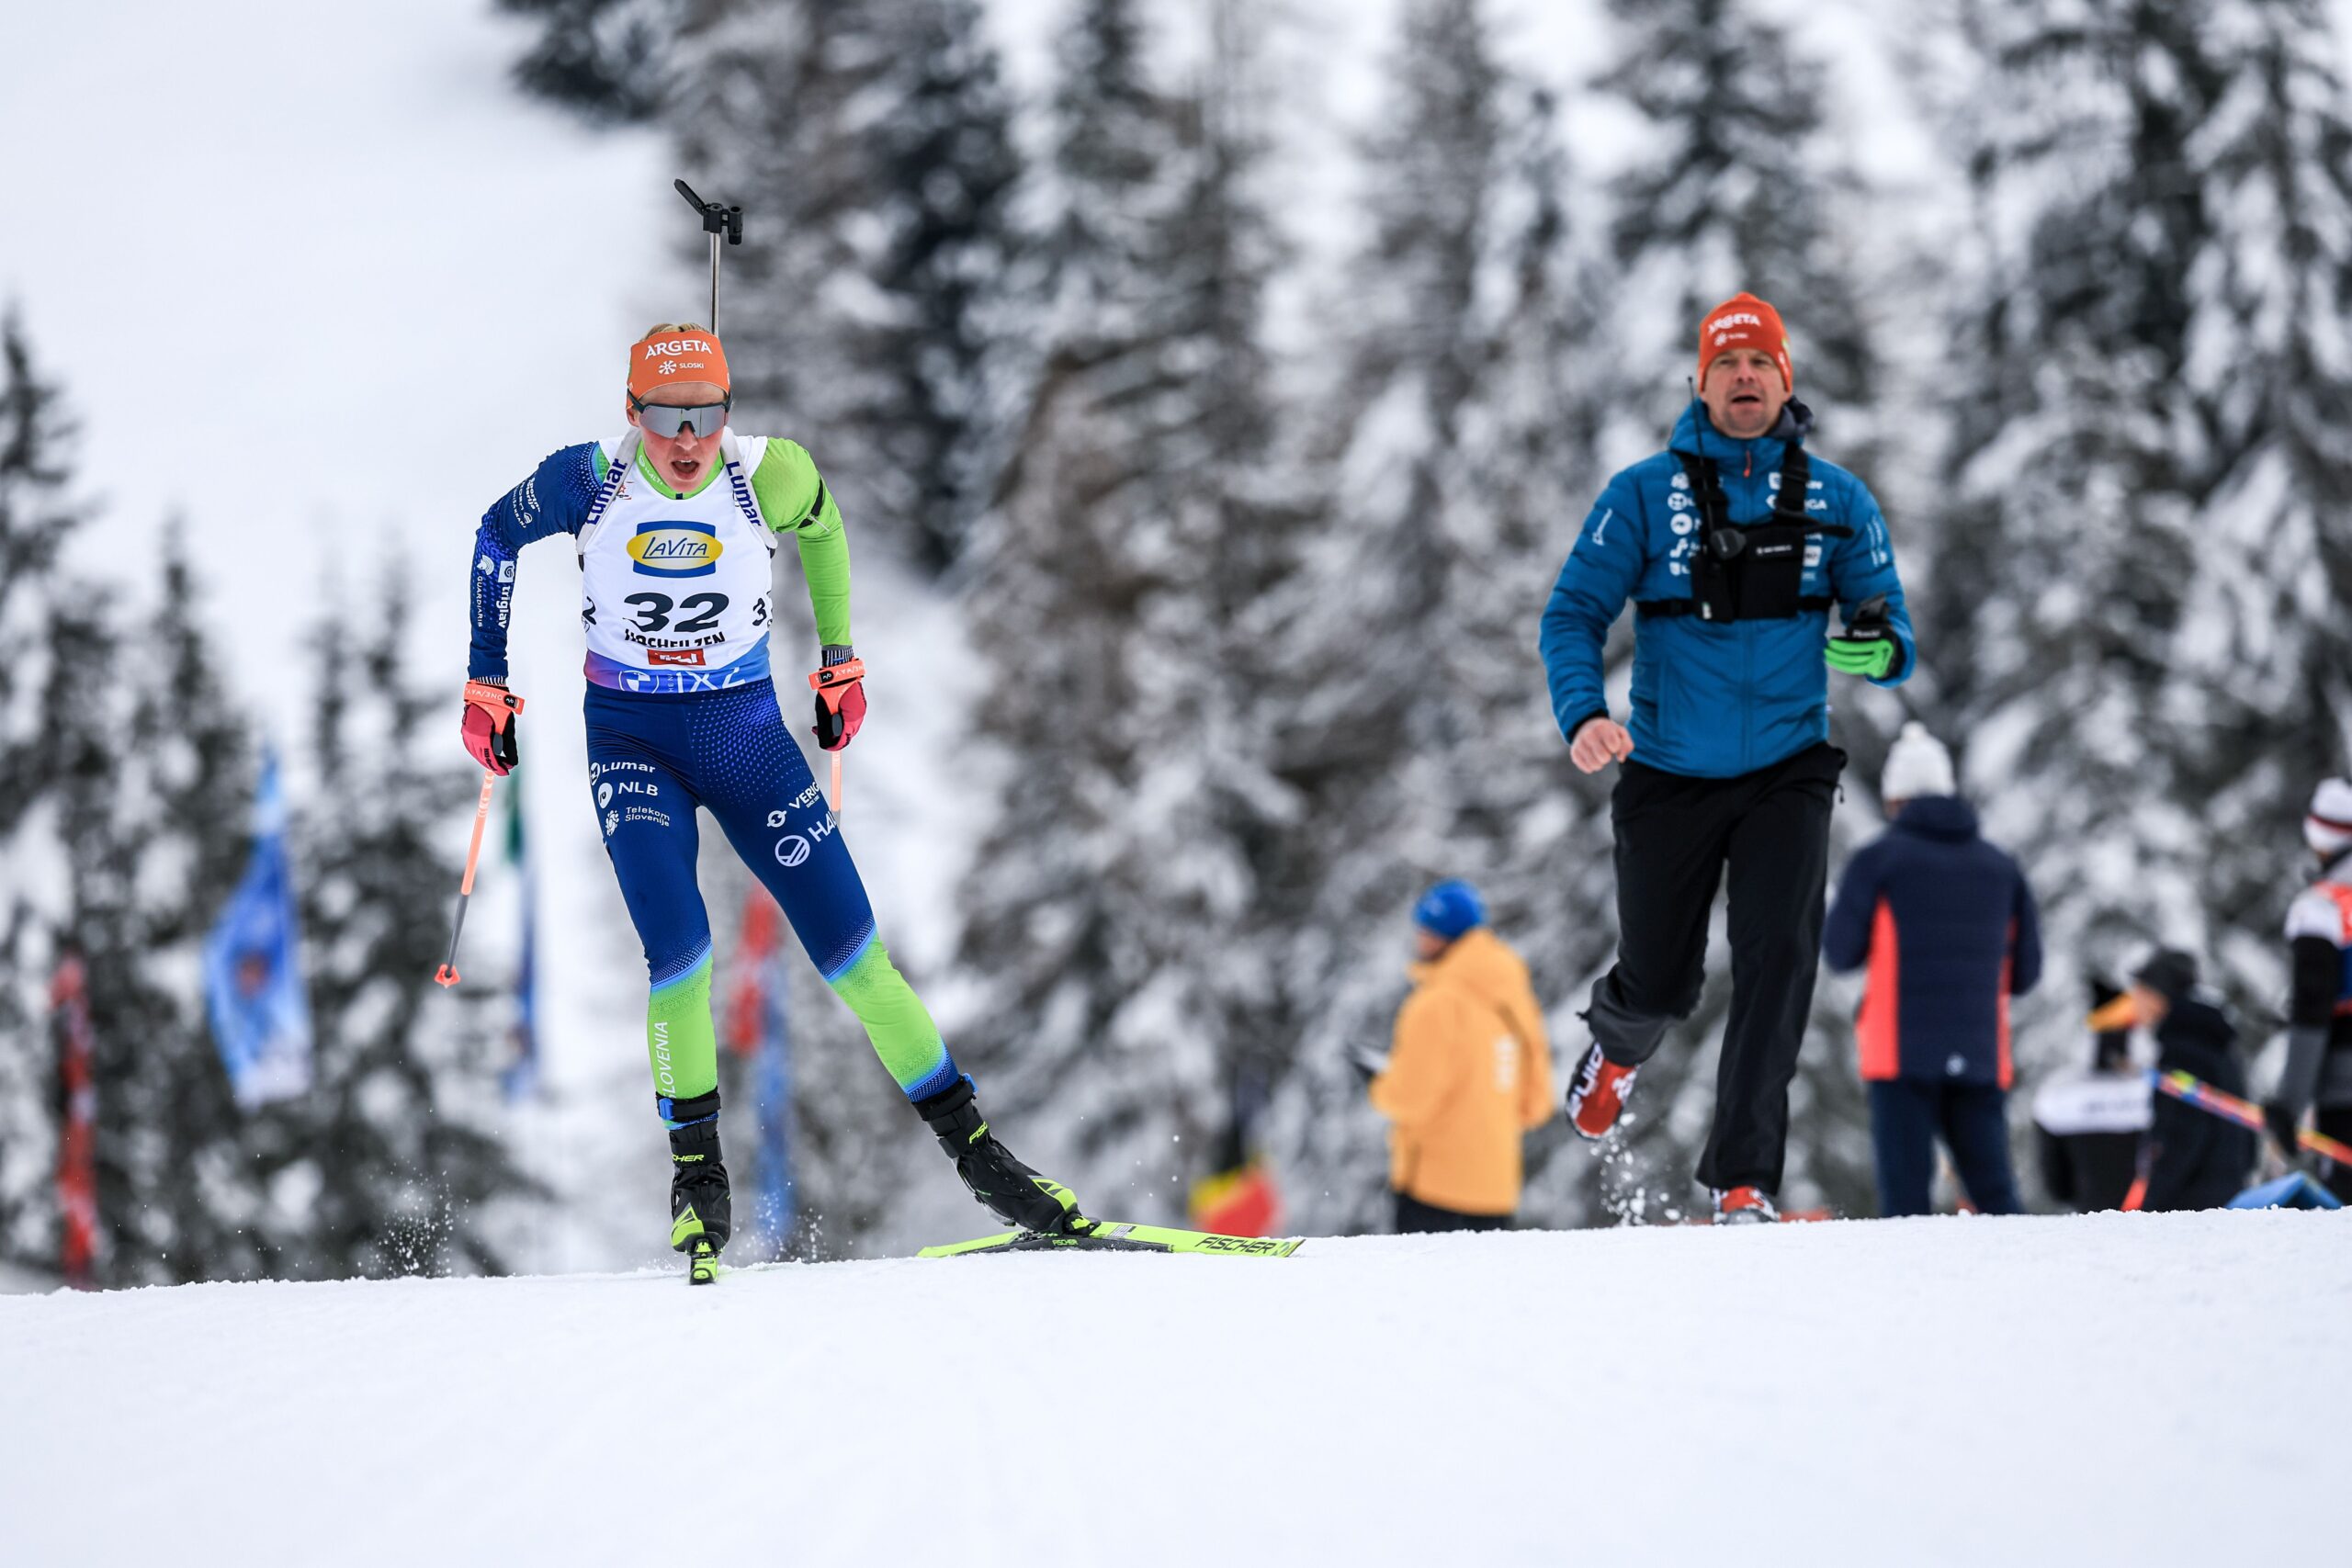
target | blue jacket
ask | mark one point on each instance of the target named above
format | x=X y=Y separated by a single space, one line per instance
x=1713 y=701
x=1948 y=925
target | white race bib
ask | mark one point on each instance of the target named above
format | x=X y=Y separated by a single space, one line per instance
x=675 y=595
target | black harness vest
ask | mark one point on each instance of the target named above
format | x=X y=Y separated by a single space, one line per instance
x=1753 y=571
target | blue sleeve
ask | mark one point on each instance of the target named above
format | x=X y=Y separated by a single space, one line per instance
x=1846 y=934
x=554 y=500
x=1601 y=569
x=2025 y=948
x=1863 y=568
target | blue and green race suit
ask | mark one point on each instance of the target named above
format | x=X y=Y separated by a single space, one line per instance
x=681 y=713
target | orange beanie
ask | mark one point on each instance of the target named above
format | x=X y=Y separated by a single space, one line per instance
x=667 y=358
x=1745 y=321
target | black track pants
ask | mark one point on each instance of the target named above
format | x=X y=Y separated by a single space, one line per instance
x=1412 y=1216
x=2336 y=1122
x=1675 y=837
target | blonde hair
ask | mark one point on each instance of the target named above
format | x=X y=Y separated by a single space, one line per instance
x=672 y=328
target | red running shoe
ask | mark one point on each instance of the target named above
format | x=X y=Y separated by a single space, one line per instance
x=1599 y=1094
x=1745 y=1206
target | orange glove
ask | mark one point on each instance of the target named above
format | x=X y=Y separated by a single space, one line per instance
x=841 y=702
x=490 y=713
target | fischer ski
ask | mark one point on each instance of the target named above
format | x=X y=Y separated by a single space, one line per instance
x=1107 y=1237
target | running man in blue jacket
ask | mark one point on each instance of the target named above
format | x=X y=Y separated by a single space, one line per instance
x=674 y=523
x=1731 y=546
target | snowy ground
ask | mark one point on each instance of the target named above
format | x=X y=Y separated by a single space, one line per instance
x=2142 y=1389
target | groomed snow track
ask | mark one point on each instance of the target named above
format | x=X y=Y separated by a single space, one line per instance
x=2133 y=1388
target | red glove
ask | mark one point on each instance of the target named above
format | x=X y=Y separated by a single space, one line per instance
x=491 y=715
x=841 y=702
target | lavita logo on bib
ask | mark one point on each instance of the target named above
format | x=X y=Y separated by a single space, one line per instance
x=675 y=549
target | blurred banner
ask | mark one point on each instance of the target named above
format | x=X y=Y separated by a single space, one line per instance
x=1240 y=1198
x=756 y=1028
x=522 y=1077
x=252 y=974
x=77 y=1140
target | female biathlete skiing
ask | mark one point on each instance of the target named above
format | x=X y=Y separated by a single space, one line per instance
x=674 y=524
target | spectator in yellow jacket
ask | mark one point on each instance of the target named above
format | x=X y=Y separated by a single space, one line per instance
x=1468 y=1072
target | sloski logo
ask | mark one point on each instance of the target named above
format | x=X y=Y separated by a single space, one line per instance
x=676 y=549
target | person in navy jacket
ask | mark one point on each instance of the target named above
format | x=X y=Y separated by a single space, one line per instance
x=1733 y=546
x=1946 y=922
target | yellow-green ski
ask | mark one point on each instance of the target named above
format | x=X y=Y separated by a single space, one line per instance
x=1108 y=1237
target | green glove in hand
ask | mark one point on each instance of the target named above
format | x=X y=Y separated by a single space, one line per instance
x=1867 y=647
x=1872 y=657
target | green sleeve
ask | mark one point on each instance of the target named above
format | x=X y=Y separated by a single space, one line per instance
x=794 y=500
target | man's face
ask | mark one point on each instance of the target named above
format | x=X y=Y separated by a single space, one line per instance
x=1743 y=392
x=684 y=458
x=1427 y=944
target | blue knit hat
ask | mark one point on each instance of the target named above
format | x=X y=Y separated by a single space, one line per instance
x=1450 y=909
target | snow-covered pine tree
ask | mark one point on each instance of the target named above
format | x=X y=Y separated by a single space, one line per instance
x=870 y=145
x=390 y=1163
x=2268 y=646
x=37 y=513
x=101 y=716
x=171 y=1193
x=189 y=1204
x=945 y=173
x=2151 y=466
x=1114 y=912
x=609 y=60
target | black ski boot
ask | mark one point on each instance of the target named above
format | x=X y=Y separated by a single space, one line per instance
x=1018 y=1194
x=699 y=1203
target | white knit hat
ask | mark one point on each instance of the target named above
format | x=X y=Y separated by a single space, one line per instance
x=2328 y=829
x=1916 y=765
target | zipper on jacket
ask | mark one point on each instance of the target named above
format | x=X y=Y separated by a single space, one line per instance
x=1747 y=660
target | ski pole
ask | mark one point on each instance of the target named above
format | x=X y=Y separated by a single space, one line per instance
x=2196 y=1091
x=447 y=973
x=829 y=684
x=717 y=218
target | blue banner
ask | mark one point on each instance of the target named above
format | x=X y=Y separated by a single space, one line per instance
x=778 y=1208
x=253 y=971
x=756 y=1026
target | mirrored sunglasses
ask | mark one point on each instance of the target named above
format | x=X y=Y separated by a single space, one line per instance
x=670 y=420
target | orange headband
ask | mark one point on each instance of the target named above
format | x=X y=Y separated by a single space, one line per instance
x=658 y=362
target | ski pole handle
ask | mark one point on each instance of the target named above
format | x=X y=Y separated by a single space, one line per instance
x=447 y=973
x=719 y=221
